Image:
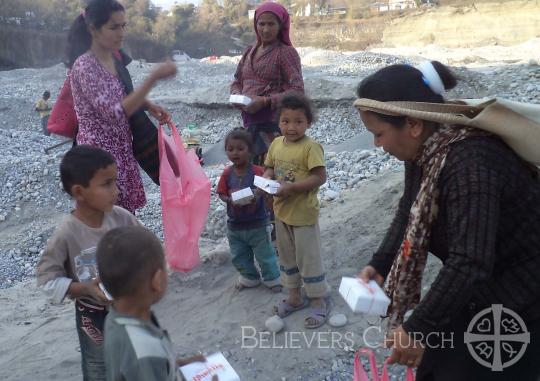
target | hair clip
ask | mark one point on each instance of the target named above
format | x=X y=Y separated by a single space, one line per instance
x=431 y=77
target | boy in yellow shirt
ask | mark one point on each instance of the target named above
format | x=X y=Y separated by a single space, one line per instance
x=297 y=162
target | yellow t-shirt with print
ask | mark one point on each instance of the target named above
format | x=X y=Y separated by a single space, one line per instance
x=292 y=162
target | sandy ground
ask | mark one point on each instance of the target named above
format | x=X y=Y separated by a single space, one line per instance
x=203 y=311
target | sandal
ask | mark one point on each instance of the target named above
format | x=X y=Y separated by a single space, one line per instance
x=319 y=315
x=274 y=285
x=284 y=309
x=276 y=289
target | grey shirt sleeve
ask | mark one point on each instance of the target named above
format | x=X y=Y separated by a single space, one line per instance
x=147 y=369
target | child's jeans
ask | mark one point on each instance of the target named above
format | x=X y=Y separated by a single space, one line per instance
x=90 y=321
x=255 y=243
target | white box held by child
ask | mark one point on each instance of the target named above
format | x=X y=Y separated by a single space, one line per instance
x=239 y=99
x=242 y=196
x=363 y=297
x=267 y=185
x=215 y=364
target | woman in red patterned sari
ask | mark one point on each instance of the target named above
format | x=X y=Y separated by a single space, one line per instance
x=268 y=69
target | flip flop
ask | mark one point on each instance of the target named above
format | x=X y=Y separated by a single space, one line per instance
x=284 y=309
x=320 y=315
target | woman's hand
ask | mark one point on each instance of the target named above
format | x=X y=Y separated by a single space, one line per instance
x=406 y=351
x=368 y=273
x=257 y=103
x=158 y=112
x=164 y=70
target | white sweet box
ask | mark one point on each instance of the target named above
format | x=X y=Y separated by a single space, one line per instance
x=267 y=185
x=239 y=99
x=242 y=196
x=215 y=364
x=363 y=297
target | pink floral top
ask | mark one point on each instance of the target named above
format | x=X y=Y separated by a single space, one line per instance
x=97 y=97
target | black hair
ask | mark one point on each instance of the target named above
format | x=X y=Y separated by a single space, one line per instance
x=46 y=94
x=97 y=13
x=127 y=258
x=240 y=134
x=81 y=163
x=297 y=101
x=403 y=83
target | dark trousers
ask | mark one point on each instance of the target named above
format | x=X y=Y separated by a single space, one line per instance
x=452 y=364
x=90 y=322
x=44 y=122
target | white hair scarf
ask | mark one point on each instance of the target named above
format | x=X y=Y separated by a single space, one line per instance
x=431 y=77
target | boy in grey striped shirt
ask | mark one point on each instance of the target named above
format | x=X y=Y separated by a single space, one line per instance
x=132 y=268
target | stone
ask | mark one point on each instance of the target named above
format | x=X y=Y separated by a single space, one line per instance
x=337 y=320
x=330 y=195
x=274 y=324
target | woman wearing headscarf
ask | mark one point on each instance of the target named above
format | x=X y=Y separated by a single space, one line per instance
x=268 y=69
x=475 y=204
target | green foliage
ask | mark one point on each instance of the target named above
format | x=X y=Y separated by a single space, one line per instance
x=185 y=25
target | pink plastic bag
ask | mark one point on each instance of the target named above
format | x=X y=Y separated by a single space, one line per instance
x=360 y=374
x=185 y=200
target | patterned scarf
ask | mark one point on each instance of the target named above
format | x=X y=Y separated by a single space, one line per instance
x=405 y=281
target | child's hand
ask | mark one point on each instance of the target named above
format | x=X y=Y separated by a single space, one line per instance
x=93 y=291
x=285 y=189
x=189 y=360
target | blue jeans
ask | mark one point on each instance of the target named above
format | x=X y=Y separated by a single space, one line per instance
x=90 y=323
x=255 y=243
x=44 y=122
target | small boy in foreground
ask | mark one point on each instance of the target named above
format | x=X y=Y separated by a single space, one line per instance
x=132 y=268
x=68 y=264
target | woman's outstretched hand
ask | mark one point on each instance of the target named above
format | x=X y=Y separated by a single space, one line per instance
x=368 y=273
x=164 y=70
x=405 y=350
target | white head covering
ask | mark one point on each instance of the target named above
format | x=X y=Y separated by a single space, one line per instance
x=431 y=78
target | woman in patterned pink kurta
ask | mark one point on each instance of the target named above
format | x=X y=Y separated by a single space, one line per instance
x=268 y=69
x=97 y=96
x=101 y=104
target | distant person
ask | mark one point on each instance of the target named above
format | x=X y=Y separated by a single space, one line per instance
x=99 y=96
x=247 y=224
x=268 y=69
x=44 y=110
x=475 y=204
x=297 y=162
x=68 y=264
x=133 y=270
